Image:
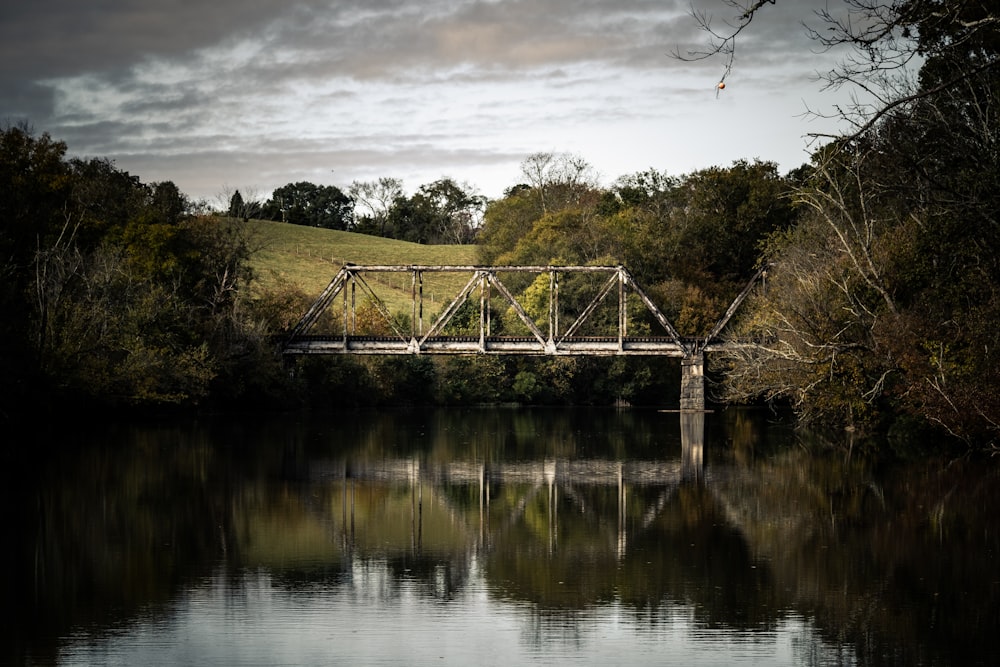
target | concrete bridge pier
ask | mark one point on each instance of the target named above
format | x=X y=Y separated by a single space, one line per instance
x=693 y=382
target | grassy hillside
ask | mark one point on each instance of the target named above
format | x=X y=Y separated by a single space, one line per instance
x=309 y=258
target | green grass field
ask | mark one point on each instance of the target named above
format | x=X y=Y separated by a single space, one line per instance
x=309 y=257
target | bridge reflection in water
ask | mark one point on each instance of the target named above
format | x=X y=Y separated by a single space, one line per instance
x=550 y=480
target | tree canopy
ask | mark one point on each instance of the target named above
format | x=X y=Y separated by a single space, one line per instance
x=114 y=292
x=442 y=212
x=880 y=297
x=305 y=203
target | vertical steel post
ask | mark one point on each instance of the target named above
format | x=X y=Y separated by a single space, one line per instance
x=553 y=305
x=489 y=298
x=354 y=306
x=413 y=304
x=420 y=280
x=345 y=323
x=483 y=314
x=622 y=312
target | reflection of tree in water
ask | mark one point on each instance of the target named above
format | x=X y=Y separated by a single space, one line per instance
x=895 y=562
x=889 y=561
x=886 y=560
x=696 y=556
x=107 y=532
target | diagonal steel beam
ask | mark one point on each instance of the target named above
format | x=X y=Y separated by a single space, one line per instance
x=737 y=302
x=611 y=282
x=324 y=300
x=494 y=281
x=453 y=307
x=660 y=317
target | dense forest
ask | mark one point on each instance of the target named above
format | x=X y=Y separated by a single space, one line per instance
x=883 y=257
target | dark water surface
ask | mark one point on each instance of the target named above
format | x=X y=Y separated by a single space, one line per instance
x=492 y=537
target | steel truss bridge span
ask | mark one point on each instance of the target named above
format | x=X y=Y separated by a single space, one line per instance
x=560 y=334
x=555 y=338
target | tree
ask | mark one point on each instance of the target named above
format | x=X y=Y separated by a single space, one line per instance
x=719 y=218
x=651 y=191
x=35 y=211
x=441 y=212
x=878 y=303
x=461 y=208
x=113 y=293
x=305 y=203
x=813 y=329
x=236 y=205
x=332 y=209
x=241 y=205
x=375 y=199
x=558 y=179
x=505 y=222
x=106 y=199
x=169 y=204
x=555 y=182
x=723 y=42
x=887 y=38
x=37 y=185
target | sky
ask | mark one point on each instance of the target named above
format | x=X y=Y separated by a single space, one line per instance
x=256 y=94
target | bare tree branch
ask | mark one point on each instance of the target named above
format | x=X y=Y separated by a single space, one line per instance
x=906 y=99
x=724 y=42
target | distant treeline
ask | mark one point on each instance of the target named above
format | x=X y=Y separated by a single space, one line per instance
x=442 y=212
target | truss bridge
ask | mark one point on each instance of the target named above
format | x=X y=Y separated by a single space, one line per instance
x=557 y=310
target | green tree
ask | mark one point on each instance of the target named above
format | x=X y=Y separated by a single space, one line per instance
x=37 y=184
x=236 y=205
x=720 y=218
x=505 y=222
x=105 y=199
x=305 y=203
x=35 y=212
x=115 y=293
x=442 y=212
x=693 y=241
x=373 y=201
x=879 y=302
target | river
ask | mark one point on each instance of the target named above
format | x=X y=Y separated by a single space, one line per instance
x=494 y=536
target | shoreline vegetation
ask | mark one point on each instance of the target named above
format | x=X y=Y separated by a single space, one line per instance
x=161 y=309
x=132 y=300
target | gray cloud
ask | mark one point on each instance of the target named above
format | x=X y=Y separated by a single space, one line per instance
x=50 y=39
x=262 y=92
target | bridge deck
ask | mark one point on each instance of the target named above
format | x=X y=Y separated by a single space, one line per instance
x=527 y=345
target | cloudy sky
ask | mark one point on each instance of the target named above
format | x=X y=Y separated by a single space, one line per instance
x=254 y=94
